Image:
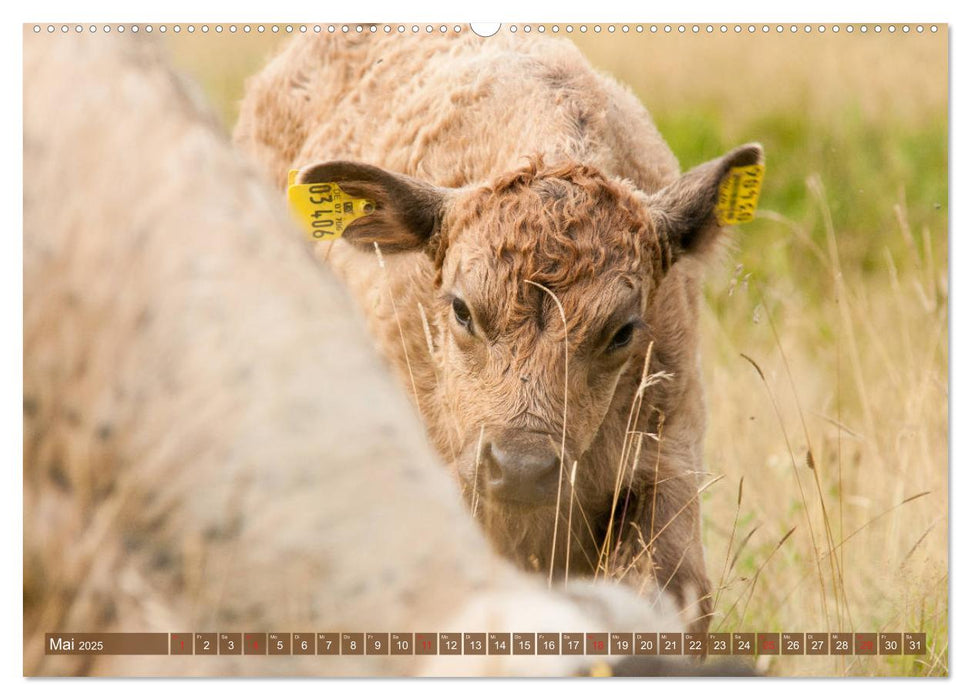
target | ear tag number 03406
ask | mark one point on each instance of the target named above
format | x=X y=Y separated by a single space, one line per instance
x=323 y=209
x=738 y=194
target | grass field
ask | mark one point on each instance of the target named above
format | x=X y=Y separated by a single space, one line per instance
x=826 y=324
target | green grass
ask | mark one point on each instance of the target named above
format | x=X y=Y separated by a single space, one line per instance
x=865 y=171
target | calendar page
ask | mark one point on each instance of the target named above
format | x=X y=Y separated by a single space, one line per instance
x=514 y=349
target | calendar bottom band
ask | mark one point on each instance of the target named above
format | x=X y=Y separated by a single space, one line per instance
x=486 y=643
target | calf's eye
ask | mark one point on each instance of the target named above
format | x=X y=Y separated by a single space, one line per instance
x=622 y=337
x=462 y=314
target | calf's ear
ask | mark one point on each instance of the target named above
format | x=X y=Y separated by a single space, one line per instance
x=407 y=212
x=685 y=211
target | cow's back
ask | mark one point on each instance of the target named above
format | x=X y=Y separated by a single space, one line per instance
x=453 y=109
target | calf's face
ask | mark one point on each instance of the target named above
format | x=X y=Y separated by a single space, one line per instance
x=544 y=279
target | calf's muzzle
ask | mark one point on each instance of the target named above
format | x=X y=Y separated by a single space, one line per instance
x=520 y=466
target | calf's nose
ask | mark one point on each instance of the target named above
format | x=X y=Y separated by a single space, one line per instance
x=522 y=468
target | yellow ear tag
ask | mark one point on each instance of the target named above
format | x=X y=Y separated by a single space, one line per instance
x=323 y=209
x=738 y=194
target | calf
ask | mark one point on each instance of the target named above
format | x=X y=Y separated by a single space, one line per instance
x=539 y=293
x=210 y=441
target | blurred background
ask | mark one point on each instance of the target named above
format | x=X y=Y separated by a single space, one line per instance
x=825 y=332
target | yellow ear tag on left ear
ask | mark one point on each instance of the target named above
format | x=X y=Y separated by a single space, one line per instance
x=323 y=209
x=738 y=194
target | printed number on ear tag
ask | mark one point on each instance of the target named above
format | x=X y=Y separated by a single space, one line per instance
x=738 y=194
x=323 y=209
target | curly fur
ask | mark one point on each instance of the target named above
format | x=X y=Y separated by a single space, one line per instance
x=547 y=173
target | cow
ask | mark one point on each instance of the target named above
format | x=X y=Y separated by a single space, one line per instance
x=531 y=269
x=211 y=443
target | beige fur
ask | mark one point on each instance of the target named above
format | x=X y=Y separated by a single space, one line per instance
x=210 y=443
x=534 y=184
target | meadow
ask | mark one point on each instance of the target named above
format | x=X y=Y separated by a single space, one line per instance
x=825 y=326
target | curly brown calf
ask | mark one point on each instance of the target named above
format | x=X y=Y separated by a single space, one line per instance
x=540 y=294
x=210 y=441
